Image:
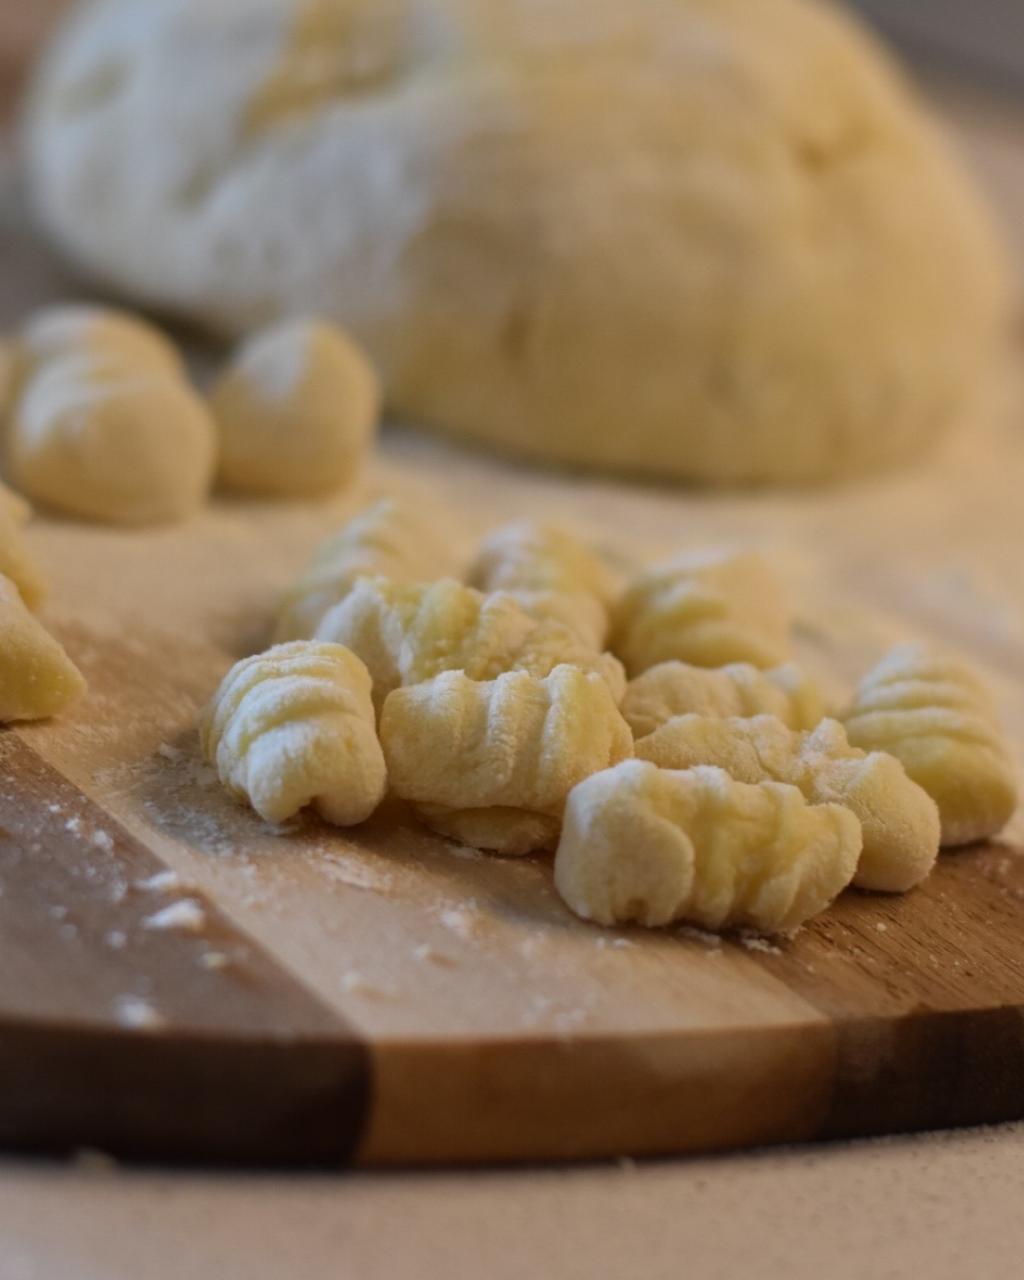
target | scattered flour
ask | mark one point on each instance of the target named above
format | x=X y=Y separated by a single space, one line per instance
x=357 y=875
x=187 y=916
x=133 y=1011
x=754 y=942
x=162 y=882
x=463 y=921
x=358 y=984
x=711 y=941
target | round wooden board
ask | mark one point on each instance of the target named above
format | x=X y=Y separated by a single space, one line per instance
x=384 y=996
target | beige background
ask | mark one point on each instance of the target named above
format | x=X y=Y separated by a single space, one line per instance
x=944 y=1206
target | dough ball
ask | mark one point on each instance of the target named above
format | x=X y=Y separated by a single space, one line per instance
x=111 y=444
x=711 y=239
x=296 y=411
x=100 y=333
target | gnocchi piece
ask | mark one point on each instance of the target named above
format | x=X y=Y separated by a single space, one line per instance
x=296 y=411
x=551 y=574
x=294 y=727
x=13 y=507
x=899 y=820
x=491 y=763
x=125 y=445
x=934 y=714
x=37 y=678
x=102 y=335
x=15 y=562
x=390 y=539
x=655 y=846
x=707 y=609
x=406 y=633
x=675 y=688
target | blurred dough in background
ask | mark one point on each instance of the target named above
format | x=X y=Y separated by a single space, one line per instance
x=706 y=239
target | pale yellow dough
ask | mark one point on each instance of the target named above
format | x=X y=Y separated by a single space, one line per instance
x=409 y=633
x=652 y=846
x=899 y=820
x=551 y=573
x=708 y=609
x=710 y=239
x=114 y=441
x=296 y=411
x=294 y=727
x=934 y=714
x=391 y=539
x=37 y=678
x=675 y=688
x=491 y=763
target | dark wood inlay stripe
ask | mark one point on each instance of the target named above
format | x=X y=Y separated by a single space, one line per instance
x=188 y=1041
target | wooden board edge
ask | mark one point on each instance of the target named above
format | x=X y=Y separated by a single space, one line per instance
x=663 y=1094
x=196 y=1097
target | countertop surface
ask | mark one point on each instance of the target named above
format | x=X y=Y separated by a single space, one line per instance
x=945 y=1205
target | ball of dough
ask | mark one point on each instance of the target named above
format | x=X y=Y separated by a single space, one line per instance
x=110 y=444
x=713 y=239
x=296 y=411
x=103 y=334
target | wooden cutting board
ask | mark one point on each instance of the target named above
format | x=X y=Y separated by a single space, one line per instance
x=176 y=980
x=384 y=996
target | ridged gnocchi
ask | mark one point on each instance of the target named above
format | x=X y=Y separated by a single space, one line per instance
x=296 y=411
x=295 y=727
x=551 y=574
x=935 y=715
x=112 y=442
x=390 y=539
x=676 y=688
x=655 y=846
x=407 y=633
x=899 y=820
x=491 y=763
x=37 y=678
x=16 y=563
x=707 y=609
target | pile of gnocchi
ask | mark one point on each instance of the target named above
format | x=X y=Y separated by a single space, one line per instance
x=653 y=733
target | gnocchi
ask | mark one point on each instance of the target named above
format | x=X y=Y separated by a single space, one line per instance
x=934 y=714
x=296 y=411
x=491 y=764
x=708 y=609
x=409 y=633
x=675 y=688
x=390 y=539
x=899 y=820
x=16 y=563
x=655 y=846
x=551 y=574
x=37 y=678
x=122 y=444
x=294 y=727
